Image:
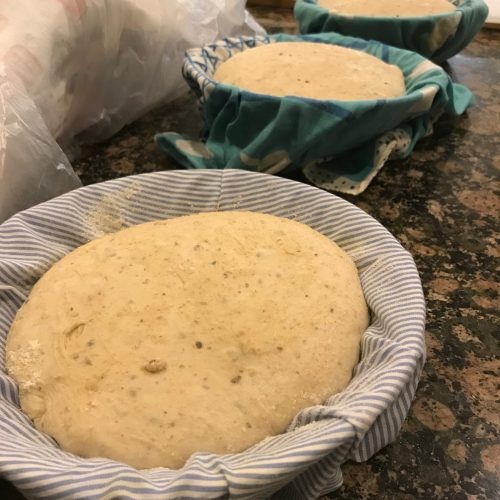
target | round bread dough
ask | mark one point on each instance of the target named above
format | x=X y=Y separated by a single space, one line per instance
x=388 y=8
x=207 y=332
x=313 y=70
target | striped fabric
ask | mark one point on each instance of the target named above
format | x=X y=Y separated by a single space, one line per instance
x=302 y=463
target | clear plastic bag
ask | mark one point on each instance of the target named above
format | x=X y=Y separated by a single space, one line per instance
x=32 y=165
x=81 y=69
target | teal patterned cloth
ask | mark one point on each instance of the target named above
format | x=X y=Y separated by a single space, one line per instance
x=339 y=145
x=437 y=37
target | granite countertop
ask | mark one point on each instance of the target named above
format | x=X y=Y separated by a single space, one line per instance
x=442 y=204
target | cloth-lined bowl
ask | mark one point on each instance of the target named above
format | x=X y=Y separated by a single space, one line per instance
x=437 y=37
x=305 y=461
x=338 y=145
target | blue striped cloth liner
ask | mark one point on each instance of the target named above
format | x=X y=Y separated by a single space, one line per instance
x=302 y=463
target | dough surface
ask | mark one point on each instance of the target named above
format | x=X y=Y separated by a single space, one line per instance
x=313 y=70
x=388 y=8
x=206 y=332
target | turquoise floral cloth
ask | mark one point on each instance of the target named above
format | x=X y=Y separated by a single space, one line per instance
x=339 y=145
x=436 y=37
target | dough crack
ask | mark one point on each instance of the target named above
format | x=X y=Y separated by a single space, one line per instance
x=72 y=334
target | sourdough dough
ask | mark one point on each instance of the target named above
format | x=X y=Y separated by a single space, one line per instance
x=388 y=8
x=206 y=332
x=314 y=70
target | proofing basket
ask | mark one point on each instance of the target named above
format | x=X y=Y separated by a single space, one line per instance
x=338 y=145
x=437 y=37
x=305 y=461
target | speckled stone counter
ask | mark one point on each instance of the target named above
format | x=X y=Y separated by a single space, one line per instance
x=443 y=206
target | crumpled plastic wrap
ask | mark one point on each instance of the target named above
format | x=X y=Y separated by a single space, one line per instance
x=81 y=69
